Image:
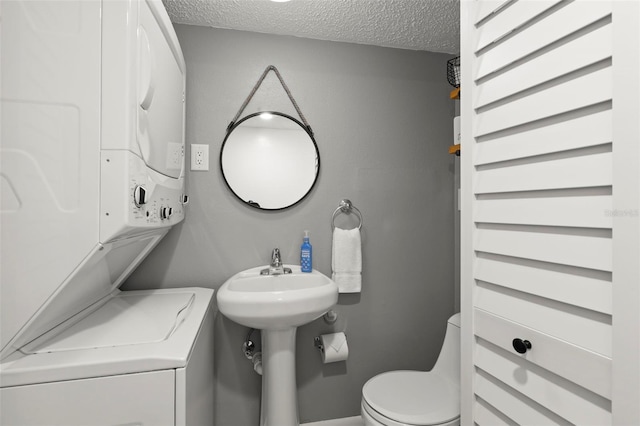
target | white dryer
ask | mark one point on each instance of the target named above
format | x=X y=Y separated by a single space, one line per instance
x=92 y=177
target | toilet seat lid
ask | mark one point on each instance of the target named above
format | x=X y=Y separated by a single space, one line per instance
x=413 y=397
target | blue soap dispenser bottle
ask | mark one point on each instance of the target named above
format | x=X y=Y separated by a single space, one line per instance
x=306 y=264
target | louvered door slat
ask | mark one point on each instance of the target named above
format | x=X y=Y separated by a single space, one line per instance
x=566 y=21
x=487 y=8
x=584 y=288
x=582 y=171
x=585 y=90
x=569 y=401
x=485 y=416
x=515 y=406
x=575 y=55
x=578 y=211
x=587 y=129
x=514 y=16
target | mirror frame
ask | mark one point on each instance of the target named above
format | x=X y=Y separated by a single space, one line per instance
x=309 y=132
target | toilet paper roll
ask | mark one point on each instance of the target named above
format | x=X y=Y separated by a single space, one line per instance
x=335 y=347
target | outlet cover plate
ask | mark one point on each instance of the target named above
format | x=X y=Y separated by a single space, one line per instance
x=199 y=157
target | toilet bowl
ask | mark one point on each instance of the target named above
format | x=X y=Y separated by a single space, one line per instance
x=411 y=398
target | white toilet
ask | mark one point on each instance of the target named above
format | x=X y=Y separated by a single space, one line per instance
x=410 y=398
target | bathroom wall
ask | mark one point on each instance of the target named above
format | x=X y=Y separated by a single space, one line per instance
x=383 y=122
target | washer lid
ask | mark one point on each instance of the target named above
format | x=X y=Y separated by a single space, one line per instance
x=131 y=332
x=413 y=397
x=126 y=319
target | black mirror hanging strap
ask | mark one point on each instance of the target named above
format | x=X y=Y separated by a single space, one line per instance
x=255 y=89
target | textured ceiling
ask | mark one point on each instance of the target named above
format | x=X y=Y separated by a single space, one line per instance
x=431 y=25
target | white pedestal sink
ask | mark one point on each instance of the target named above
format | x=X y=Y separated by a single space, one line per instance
x=277 y=305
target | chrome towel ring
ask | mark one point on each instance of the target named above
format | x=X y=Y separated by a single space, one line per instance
x=346 y=207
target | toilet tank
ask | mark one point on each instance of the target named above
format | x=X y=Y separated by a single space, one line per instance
x=448 y=363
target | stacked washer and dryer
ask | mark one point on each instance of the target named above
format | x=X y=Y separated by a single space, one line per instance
x=92 y=175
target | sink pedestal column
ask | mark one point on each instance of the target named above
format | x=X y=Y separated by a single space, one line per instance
x=279 y=391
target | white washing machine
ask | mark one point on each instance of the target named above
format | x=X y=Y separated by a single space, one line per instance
x=135 y=358
x=92 y=178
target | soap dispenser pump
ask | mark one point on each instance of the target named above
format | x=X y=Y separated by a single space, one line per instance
x=306 y=264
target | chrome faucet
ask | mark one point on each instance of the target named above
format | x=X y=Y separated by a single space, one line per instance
x=276 y=266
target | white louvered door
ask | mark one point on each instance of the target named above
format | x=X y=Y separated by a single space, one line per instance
x=550 y=212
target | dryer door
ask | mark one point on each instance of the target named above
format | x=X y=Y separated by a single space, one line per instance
x=160 y=97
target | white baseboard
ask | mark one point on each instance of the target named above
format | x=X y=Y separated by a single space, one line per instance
x=346 y=421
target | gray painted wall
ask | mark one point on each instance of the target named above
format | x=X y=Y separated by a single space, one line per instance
x=383 y=122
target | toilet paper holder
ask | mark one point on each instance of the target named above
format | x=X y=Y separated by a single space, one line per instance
x=332 y=347
x=317 y=342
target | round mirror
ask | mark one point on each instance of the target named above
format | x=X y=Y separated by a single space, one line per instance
x=269 y=160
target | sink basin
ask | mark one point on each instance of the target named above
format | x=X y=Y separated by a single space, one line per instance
x=277 y=305
x=275 y=302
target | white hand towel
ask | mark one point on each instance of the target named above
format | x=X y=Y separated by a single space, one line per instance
x=346 y=260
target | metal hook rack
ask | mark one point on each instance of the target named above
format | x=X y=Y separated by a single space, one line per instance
x=346 y=207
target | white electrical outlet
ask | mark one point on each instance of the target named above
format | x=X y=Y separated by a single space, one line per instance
x=199 y=157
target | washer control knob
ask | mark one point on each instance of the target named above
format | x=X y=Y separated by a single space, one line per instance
x=521 y=346
x=165 y=212
x=139 y=195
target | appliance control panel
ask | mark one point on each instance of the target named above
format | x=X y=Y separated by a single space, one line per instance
x=136 y=198
x=154 y=204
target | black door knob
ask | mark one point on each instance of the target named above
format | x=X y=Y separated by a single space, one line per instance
x=521 y=346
